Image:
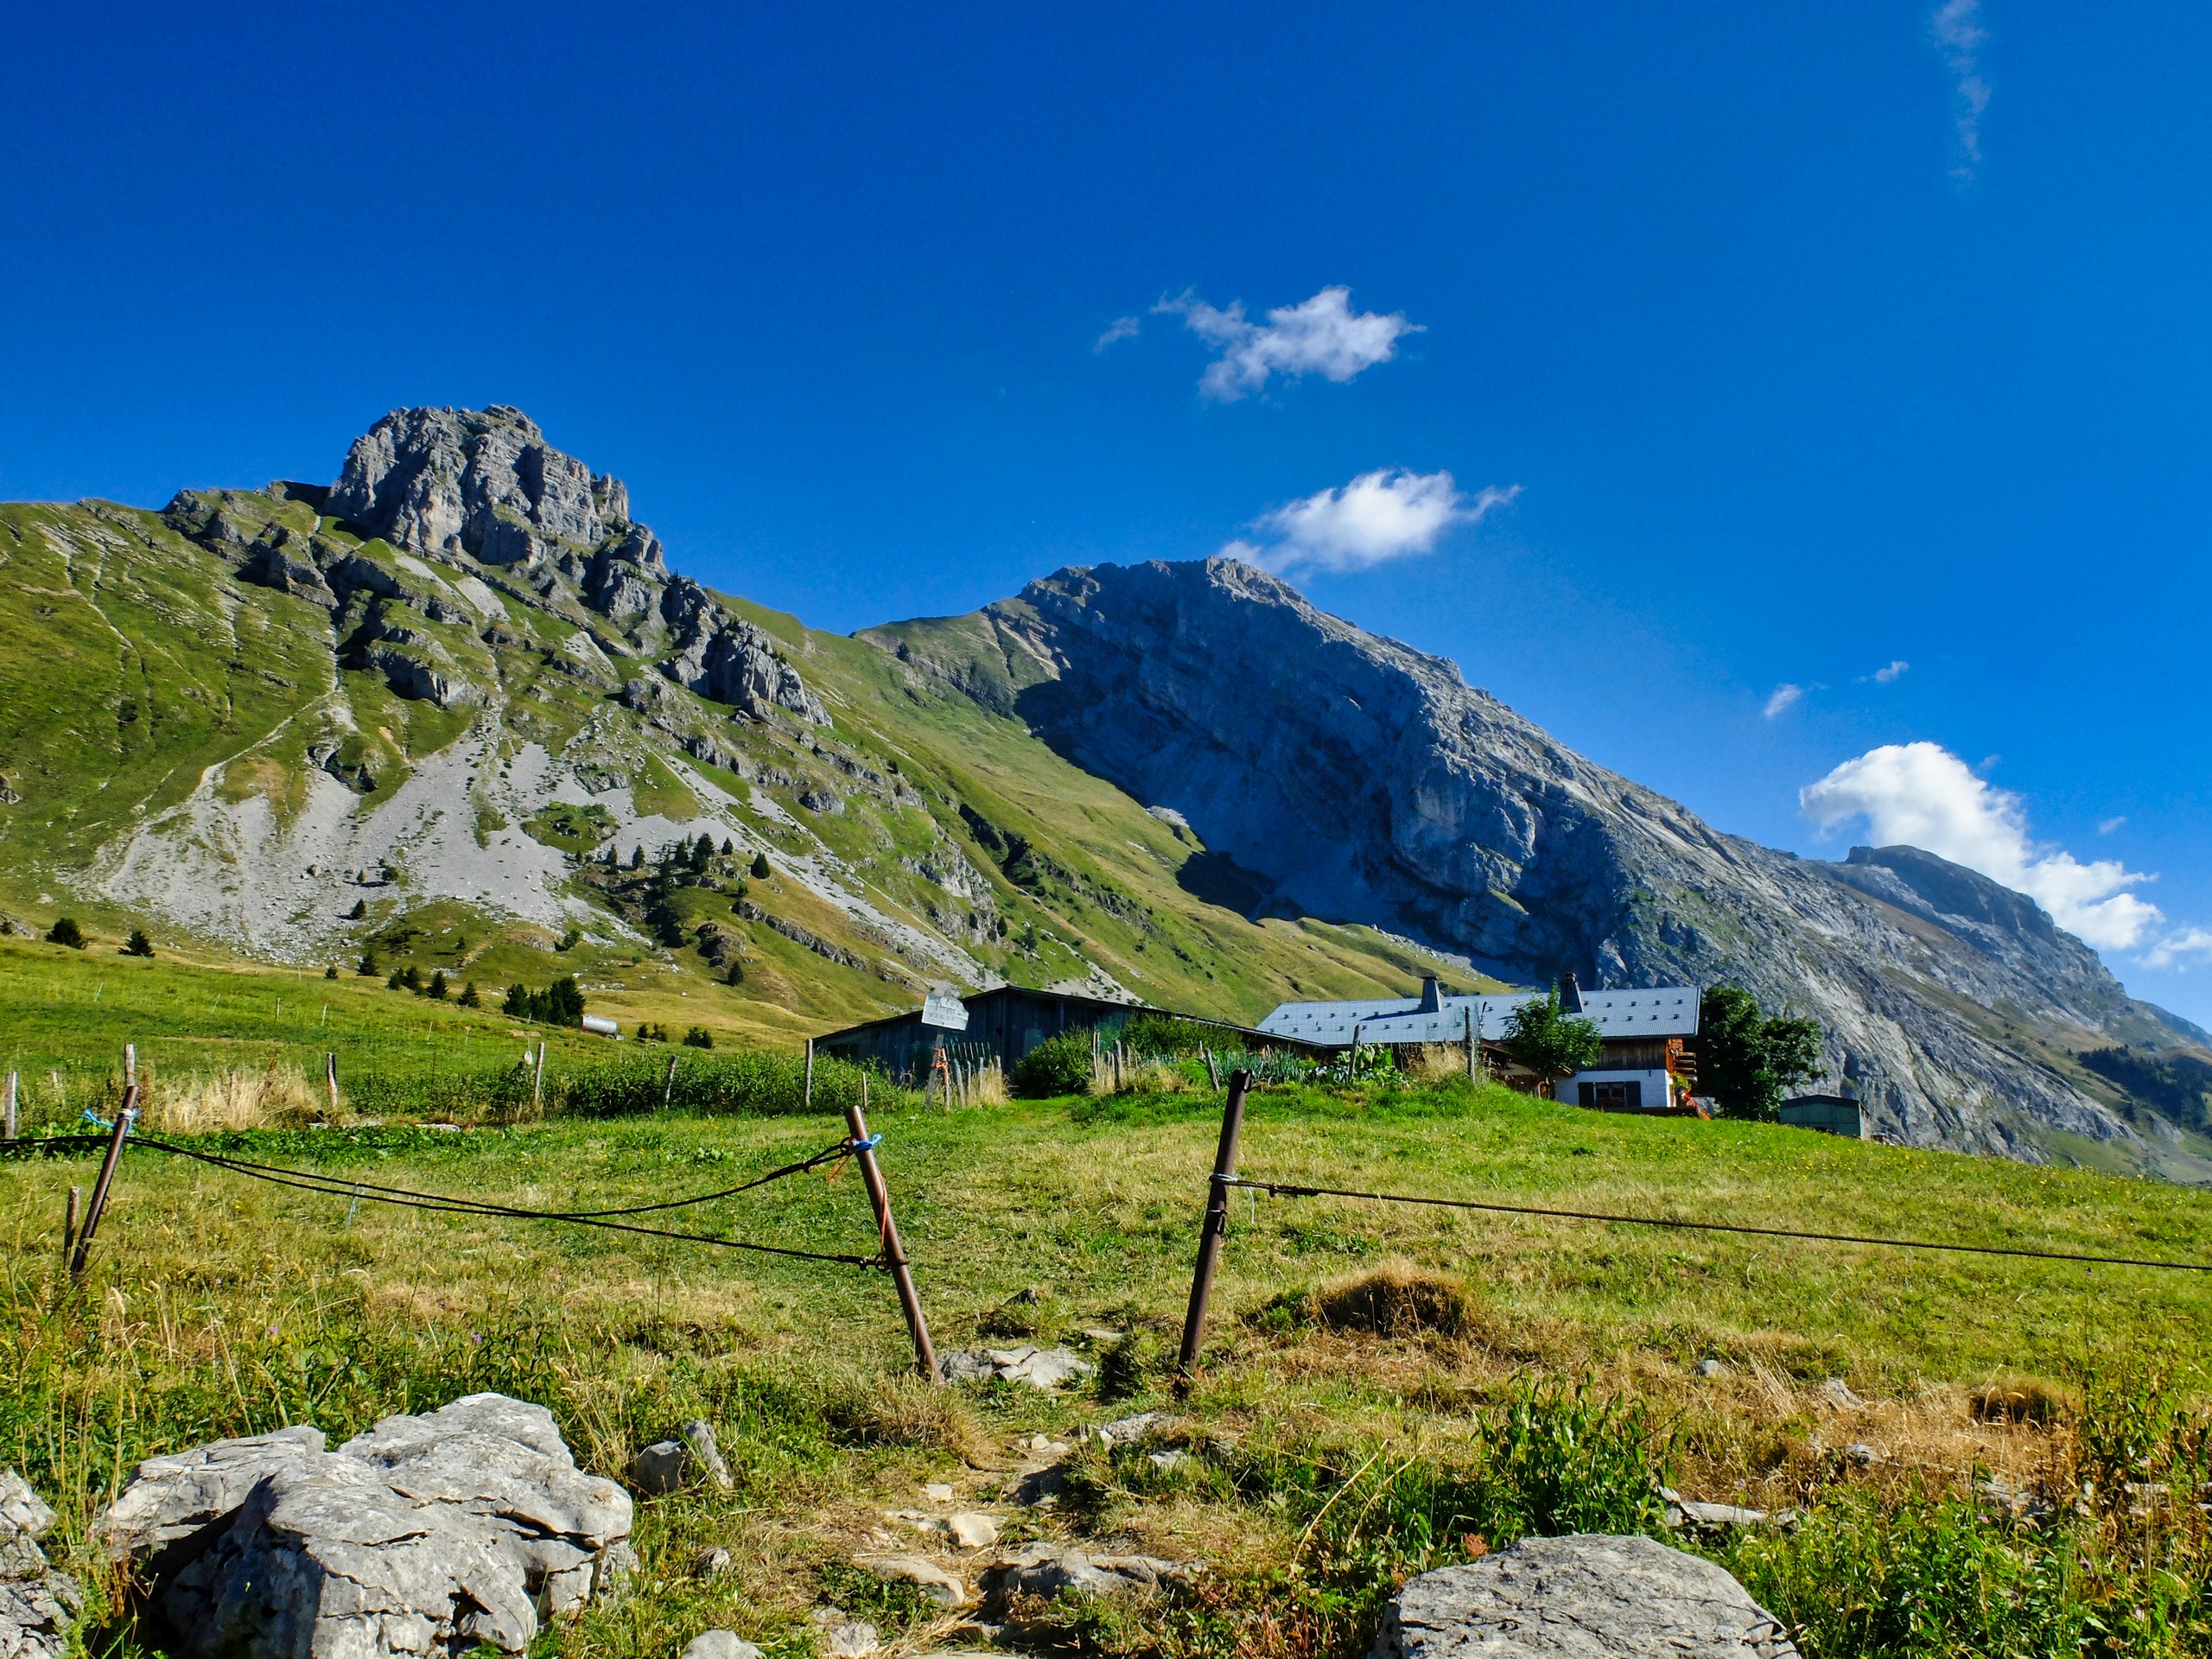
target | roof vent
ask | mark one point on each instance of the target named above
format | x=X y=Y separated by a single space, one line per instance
x=1430 y=1003
x=1570 y=993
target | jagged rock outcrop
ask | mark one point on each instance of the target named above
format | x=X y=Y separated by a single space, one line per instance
x=427 y=1535
x=1351 y=777
x=482 y=492
x=38 y=1604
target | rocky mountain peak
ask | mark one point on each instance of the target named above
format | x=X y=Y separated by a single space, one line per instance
x=1352 y=779
x=481 y=492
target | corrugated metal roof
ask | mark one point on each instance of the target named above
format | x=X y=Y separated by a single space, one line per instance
x=1660 y=1011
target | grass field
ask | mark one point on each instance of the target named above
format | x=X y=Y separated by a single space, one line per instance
x=220 y=1306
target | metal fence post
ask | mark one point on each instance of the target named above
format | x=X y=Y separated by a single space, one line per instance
x=123 y=1122
x=895 y=1252
x=1215 y=1224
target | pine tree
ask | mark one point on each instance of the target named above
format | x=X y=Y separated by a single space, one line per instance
x=437 y=992
x=138 y=944
x=367 y=968
x=65 y=930
x=760 y=867
x=468 y=998
x=638 y=856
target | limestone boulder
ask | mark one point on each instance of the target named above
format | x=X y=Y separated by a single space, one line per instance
x=1590 y=1595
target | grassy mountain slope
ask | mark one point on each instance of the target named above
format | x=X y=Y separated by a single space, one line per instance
x=193 y=748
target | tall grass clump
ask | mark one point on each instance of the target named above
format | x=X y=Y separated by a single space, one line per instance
x=2111 y=1553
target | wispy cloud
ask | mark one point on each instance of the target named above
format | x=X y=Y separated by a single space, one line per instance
x=1960 y=36
x=1783 y=699
x=2178 y=948
x=2105 y=826
x=1323 y=335
x=1386 y=514
x=1120 y=329
x=1883 y=675
x=1922 y=795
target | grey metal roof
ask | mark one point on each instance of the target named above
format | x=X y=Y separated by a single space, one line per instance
x=1661 y=1011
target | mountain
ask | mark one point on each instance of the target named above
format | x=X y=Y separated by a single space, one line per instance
x=408 y=712
x=411 y=713
x=1335 y=774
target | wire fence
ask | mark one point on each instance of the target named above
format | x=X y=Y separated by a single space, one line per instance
x=1299 y=1190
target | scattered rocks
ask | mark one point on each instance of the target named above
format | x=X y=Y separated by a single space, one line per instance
x=672 y=1464
x=940 y=1491
x=843 y=1637
x=1586 y=1594
x=1126 y=1431
x=719 y=1644
x=1710 y=1368
x=1046 y=1570
x=1836 y=1392
x=710 y=1563
x=1165 y=1461
x=926 y=1575
x=466 y=1525
x=37 y=1604
x=1040 y=1367
x=1865 y=1456
x=973 y=1531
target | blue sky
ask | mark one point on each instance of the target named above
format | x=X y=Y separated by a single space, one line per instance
x=1764 y=348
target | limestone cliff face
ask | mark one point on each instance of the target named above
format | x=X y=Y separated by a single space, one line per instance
x=482 y=492
x=1359 y=780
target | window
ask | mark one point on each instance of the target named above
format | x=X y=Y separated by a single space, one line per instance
x=1626 y=1097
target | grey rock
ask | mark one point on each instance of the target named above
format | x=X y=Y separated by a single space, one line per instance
x=1686 y=1515
x=710 y=1563
x=973 y=1530
x=1710 y=1368
x=1127 y=1431
x=1332 y=772
x=465 y=1525
x=1836 y=1392
x=1040 y=1367
x=719 y=1644
x=22 y=1509
x=1587 y=1595
x=38 y=1604
x=672 y=1464
x=926 y=1575
x=1049 y=1570
x=843 y=1637
x=1862 y=1454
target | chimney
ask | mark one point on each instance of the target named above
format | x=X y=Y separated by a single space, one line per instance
x=1430 y=1002
x=1570 y=993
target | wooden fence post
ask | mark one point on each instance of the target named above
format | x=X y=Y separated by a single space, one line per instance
x=8 y=1111
x=809 y=1074
x=1471 y=1047
x=537 y=1083
x=130 y=1067
x=330 y=1077
x=123 y=1122
x=895 y=1252
x=74 y=1208
x=1215 y=1224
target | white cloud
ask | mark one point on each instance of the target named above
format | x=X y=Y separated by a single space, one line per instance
x=2170 y=951
x=1960 y=36
x=1386 y=514
x=1120 y=328
x=1923 y=796
x=1321 y=336
x=1883 y=675
x=2105 y=826
x=1783 y=698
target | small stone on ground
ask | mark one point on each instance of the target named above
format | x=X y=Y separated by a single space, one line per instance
x=719 y=1644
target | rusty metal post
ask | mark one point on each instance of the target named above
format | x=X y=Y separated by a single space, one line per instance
x=123 y=1122
x=1217 y=1222
x=895 y=1252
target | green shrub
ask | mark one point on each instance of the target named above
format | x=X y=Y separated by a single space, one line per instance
x=139 y=945
x=1166 y=1036
x=698 y=1037
x=559 y=1004
x=65 y=930
x=1059 y=1065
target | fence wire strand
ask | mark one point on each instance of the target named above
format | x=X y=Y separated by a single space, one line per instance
x=443 y=1203
x=1295 y=1189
